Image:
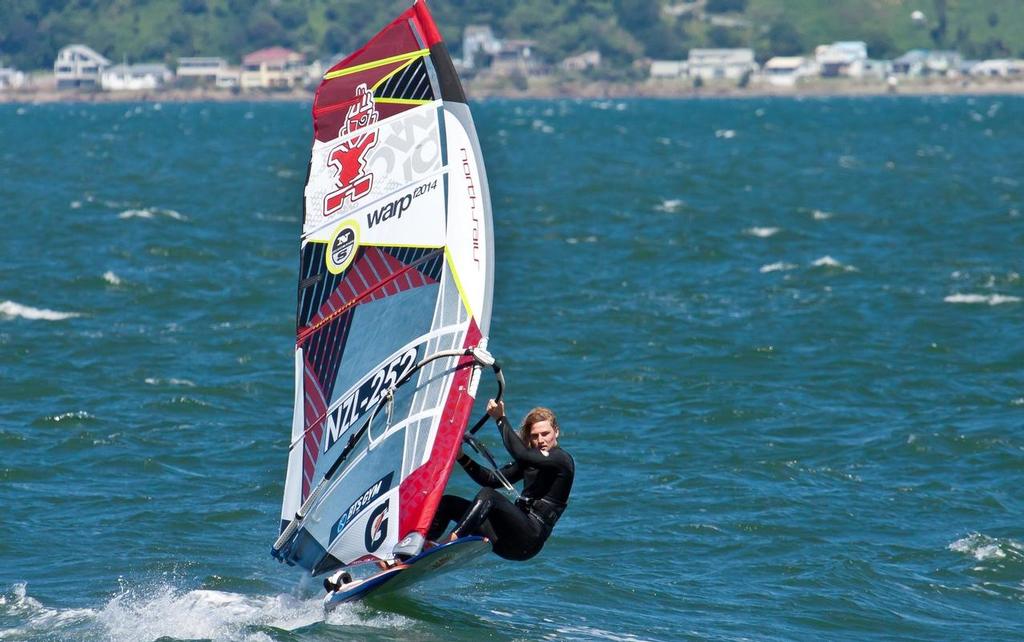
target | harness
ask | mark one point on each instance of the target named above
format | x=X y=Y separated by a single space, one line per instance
x=543 y=510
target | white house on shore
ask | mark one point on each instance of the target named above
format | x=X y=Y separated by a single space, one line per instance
x=787 y=71
x=200 y=70
x=719 y=64
x=273 y=68
x=996 y=68
x=78 y=67
x=135 y=77
x=925 y=62
x=478 y=42
x=11 y=78
x=669 y=69
x=847 y=58
x=586 y=60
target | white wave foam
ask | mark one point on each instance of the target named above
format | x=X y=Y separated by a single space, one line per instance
x=593 y=633
x=669 y=205
x=982 y=547
x=829 y=262
x=201 y=614
x=725 y=133
x=541 y=126
x=151 y=212
x=34 y=617
x=762 y=232
x=10 y=309
x=111 y=278
x=65 y=416
x=821 y=215
x=207 y=614
x=990 y=299
x=777 y=267
x=137 y=615
x=153 y=381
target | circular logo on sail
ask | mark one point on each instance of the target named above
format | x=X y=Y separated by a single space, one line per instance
x=343 y=246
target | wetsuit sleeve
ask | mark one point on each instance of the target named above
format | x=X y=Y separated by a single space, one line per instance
x=486 y=477
x=522 y=453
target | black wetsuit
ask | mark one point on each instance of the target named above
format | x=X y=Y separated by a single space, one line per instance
x=517 y=531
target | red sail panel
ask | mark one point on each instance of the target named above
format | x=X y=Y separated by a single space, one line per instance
x=315 y=406
x=374 y=275
x=421 y=491
x=413 y=31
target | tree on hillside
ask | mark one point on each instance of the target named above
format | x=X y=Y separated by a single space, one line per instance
x=784 y=40
x=726 y=6
x=938 y=33
x=725 y=38
x=193 y=7
x=880 y=45
x=263 y=30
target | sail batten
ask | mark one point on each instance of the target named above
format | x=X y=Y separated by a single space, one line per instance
x=394 y=286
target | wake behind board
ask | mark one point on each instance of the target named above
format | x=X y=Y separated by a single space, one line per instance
x=429 y=563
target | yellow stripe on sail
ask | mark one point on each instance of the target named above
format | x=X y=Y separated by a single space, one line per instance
x=458 y=284
x=412 y=55
x=392 y=74
x=401 y=101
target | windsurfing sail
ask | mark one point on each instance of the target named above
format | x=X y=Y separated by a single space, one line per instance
x=394 y=301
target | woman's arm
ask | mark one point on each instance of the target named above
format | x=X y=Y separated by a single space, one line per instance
x=520 y=452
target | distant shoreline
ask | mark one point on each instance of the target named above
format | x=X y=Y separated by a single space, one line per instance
x=548 y=88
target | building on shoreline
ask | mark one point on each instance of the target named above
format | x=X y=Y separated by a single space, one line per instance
x=926 y=62
x=516 y=57
x=78 y=67
x=478 y=45
x=787 y=71
x=998 y=68
x=135 y=77
x=273 y=68
x=11 y=78
x=721 y=64
x=581 y=62
x=847 y=58
x=200 y=70
x=669 y=69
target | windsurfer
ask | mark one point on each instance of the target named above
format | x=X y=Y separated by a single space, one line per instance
x=516 y=530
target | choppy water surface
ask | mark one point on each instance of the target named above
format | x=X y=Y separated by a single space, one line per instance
x=784 y=338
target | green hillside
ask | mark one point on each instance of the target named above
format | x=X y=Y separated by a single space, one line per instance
x=32 y=31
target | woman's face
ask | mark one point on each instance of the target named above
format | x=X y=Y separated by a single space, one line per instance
x=543 y=436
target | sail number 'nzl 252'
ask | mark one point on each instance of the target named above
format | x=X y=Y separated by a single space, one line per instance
x=370 y=392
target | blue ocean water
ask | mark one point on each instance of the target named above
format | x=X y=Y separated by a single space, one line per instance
x=783 y=337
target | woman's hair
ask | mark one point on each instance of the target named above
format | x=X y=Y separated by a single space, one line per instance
x=532 y=417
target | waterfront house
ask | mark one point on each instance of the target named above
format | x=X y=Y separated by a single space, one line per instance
x=998 y=68
x=842 y=59
x=786 y=71
x=200 y=70
x=273 y=68
x=668 y=68
x=718 y=64
x=78 y=67
x=135 y=77
x=515 y=57
x=229 y=78
x=11 y=78
x=478 y=44
x=924 y=62
x=586 y=60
